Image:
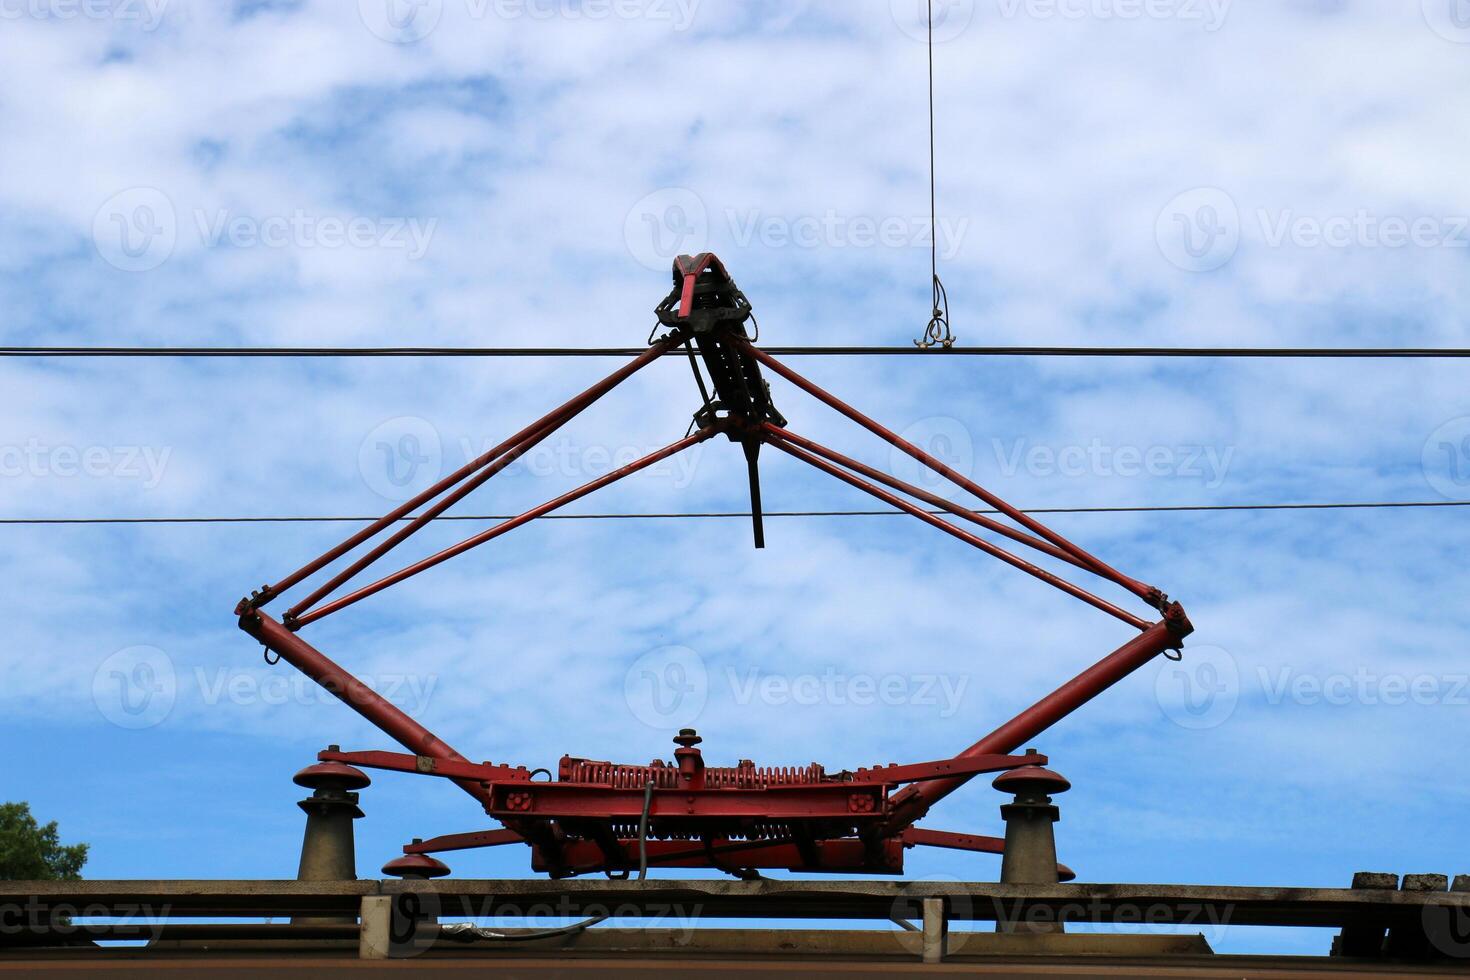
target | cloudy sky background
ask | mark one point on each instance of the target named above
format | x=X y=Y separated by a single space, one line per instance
x=1195 y=173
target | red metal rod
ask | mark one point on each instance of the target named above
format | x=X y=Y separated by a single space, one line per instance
x=971 y=765
x=402 y=535
x=1143 y=591
x=577 y=801
x=573 y=406
x=355 y=694
x=505 y=526
x=910 y=805
x=426 y=766
x=464 y=842
x=933 y=499
x=963 y=535
x=918 y=837
x=839 y=855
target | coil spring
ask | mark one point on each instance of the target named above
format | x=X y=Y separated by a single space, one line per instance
x=758 y=777
x=757 y=831
x=667 y=777
x=622 y=777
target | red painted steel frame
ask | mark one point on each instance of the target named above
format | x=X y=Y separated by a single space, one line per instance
x=403 y=534
x=841 y=854
x=666 y=852
x=554 y=418
x=492 y=533
x=355 y=694
x=963 y=535
x=1146 y=592
x=911 y=804
x=516 y=777
x=915 y=837
x=933 y=499
x=572 y=825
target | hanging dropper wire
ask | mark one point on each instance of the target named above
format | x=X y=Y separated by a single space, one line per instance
x=938 y=332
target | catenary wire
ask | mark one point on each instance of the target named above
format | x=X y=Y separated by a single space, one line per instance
x=737 y=515
x=1426 y=353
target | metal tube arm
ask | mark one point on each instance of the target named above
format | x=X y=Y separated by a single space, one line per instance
x=963 y=535
x=352 y=692
x=505 y=526
x=553 y=418
x=933 y=499
x=1146 y=592
x=912 y=803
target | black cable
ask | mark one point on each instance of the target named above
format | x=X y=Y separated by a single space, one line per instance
x=741 y=515
x=933 y=180
x=643 y=831
x=809 y=351
x=468 y=932
x=937 y=333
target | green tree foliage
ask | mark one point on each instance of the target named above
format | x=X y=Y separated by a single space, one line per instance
x=30 y=852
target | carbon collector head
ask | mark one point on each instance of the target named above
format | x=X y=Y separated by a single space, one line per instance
x=705 y=298
x=711 y=311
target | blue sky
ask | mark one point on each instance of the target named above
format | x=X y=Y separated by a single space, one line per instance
x=520 y=173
